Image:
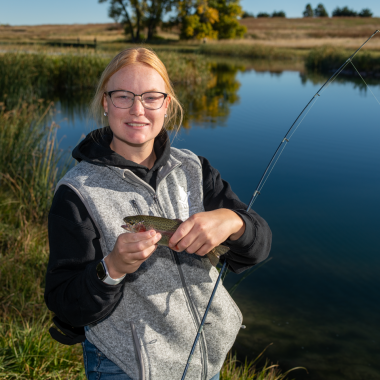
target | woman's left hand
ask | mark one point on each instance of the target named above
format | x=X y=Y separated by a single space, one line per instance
x=204 y=231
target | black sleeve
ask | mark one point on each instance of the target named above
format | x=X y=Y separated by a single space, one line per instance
x=255 y=243
x=73 y=291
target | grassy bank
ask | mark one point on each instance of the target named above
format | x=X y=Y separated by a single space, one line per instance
x=327 y=59
x=251 y=51
x=44 y=74
x=29 y=170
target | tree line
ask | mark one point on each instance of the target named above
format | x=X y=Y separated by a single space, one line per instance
x=216 y=19
x=264 y=14
x=319 y=11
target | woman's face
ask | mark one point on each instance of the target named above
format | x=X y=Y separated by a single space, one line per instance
x=135 y=125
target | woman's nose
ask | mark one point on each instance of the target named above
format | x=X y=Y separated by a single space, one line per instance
x=137 y=107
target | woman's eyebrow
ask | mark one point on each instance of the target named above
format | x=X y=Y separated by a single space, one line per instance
x=151 y=90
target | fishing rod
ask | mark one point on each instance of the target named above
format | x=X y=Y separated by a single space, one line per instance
x=265 y=176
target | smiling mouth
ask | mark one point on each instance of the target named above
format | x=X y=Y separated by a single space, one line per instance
x=137 y=124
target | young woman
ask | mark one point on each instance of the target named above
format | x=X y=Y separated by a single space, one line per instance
x=136 y=306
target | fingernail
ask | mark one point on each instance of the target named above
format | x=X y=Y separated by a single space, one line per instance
x=152 y=233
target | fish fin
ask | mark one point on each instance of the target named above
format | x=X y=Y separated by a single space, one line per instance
x=214 y=259
x=215 y=253
x=221 y=250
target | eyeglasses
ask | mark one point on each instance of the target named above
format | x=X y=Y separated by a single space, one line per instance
x=124 y=99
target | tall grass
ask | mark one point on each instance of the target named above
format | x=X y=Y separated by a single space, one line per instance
x=28 y=159
x=233 y=370
x=28 y=352
x=252 y=51
x=328 y=58
x=44 y=75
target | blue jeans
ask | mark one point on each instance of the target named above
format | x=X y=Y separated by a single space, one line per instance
x=99 y=367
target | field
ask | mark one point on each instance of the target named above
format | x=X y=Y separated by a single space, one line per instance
x=297 y=40
x=304 y=33
x=300 y=33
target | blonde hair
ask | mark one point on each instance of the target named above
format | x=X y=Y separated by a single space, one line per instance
x=133 y=56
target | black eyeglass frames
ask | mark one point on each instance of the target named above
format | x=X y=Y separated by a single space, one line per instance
x=152 y=100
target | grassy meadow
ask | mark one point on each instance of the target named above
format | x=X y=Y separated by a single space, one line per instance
x=302 y=40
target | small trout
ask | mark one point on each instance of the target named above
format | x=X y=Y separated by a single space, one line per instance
x=166 y=227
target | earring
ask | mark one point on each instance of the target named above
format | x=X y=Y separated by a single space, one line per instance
x=166 y=115
x=105 y=114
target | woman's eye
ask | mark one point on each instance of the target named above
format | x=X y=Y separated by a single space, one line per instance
x=122 y=97
x=152 y=98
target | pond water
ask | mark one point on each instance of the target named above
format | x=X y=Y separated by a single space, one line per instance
x=318 y=300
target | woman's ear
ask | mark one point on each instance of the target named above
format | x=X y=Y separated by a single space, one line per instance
x=167 y=102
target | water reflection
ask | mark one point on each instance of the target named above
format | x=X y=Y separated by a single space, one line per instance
x=210 y=104
x=318 y=78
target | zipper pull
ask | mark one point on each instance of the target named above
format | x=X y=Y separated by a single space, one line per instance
x=136 y=208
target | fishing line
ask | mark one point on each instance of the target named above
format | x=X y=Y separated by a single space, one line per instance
x=283 y=144
x=308 y=106
x=265 y=176
x=287 y=138
x=365 y=82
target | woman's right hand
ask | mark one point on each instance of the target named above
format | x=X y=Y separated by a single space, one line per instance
x=130 y=251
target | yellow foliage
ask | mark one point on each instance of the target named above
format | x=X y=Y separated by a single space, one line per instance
x=212 y=15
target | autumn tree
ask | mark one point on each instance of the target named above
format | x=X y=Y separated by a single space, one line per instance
x=228 y=25
x=209 y=18
x=196 y=19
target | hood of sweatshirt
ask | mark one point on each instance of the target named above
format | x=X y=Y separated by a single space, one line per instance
x=95 y=149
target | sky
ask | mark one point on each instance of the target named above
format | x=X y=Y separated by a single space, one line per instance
x=34 y=12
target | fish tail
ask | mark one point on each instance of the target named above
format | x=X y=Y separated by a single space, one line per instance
x=215 y=254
